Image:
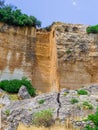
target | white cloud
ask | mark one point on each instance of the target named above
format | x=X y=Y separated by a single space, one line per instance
x=74 y=2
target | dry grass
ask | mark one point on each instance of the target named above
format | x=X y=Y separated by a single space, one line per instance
x=57 y=126
x=22 y=127
x=13 y=96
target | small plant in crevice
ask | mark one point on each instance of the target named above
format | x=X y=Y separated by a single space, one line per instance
x=96 y=99
x=68 y=51
x=82 y=92
x=87 y=105
x=65 y=93
x=7 y=112
x=48 y=28
x=43 y=118
x=74 y=100
x=79 y=106
x=41 y=101
x=30 y=109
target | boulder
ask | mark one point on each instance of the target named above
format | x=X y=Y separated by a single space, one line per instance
x=1 y=91
x=23 y=93
x=5 y=100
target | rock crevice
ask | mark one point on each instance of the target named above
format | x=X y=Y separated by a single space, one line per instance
x=59 y=104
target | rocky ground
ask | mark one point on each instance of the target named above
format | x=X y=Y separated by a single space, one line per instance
x=62 y=104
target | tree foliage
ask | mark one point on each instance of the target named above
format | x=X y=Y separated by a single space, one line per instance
x=1 y=3
x=92 y=29
x=94 y=119
x=13 y=86
x=13 y=16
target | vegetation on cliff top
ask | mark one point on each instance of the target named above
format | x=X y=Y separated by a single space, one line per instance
x=11 y=15
x=92 y=29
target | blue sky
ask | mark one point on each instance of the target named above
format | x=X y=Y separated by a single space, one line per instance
x=68 y=11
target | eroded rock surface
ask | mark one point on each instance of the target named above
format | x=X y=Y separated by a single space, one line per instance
x=4 y=98
x=23 y=93
x=24 y=110
x=77 y=54
x=63 y=57
x=75 y=110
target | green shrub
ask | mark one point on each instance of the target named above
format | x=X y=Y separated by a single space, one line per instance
x=13 y=16
x=28 y=84
x=65 y=93
x=7 y=112
x=94 y=119
x=96 y=99
x=13 y=86
x=87 y=105
x=82 y=92
x=43 y=118
x=74 y=100
x=68 y=51
x=88 y=127
x=48 y=28
x=41 y=101
x=92 y=29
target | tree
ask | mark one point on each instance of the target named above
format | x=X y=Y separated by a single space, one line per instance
x=13 y=16
x=2 y=3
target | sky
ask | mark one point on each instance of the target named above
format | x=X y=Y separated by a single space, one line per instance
x=67 y=11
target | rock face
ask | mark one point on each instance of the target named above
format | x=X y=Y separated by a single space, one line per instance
x=23 y=93
x=60 y=103
x=77 y=55
x=5 y=100
x=64 y=57
x=24 y=110
x=26 y=52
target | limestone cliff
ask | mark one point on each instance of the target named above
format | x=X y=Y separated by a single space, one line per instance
x=16 y=51
x=27 y=52
x=65 y=56
x=77 y=55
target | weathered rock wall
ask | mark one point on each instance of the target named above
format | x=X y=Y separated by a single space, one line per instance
x=65 y=56
x=77 y=55
x=30 y=53
x=44 y=74
x=16 y=51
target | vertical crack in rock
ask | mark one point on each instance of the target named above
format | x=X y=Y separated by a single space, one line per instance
x=59 y=104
